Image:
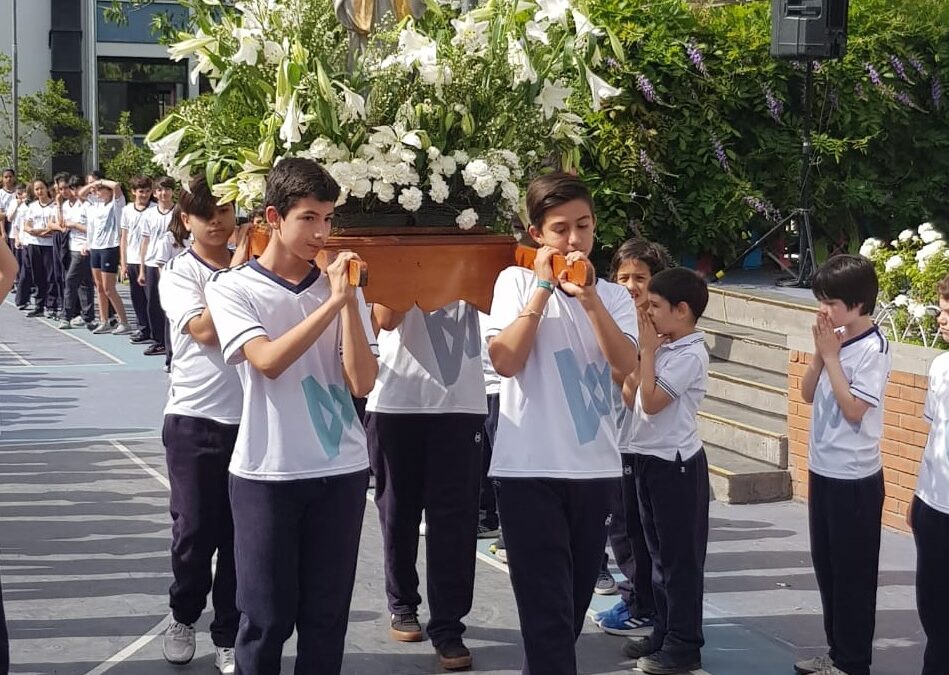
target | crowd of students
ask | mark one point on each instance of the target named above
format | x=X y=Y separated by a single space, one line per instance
x=564 y=418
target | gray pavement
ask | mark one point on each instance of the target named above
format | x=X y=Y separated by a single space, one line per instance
x=84 y=538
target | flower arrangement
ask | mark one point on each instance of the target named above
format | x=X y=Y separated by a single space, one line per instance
x=909 y=268
x=449 y=113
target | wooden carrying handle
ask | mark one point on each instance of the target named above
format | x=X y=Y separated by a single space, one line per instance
x=577 y=272
x=358 y=273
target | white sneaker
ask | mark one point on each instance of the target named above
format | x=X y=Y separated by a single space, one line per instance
x=177 y=645
x=122 y=329
x=78 y=322
x=818 y=664
x=224 y=659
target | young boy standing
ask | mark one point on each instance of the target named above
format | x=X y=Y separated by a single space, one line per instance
x=301 y=341
x=78 y=306
x=845 y=381
x=199 y=432
x=559 y=348
x=153 y=233
x=929 y=513
x=134 y=217
x=670 y=469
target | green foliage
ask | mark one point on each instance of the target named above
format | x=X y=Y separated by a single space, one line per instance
x=715 y=152
x=132 y=159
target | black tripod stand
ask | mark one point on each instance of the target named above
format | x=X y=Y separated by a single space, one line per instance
x=799 y=217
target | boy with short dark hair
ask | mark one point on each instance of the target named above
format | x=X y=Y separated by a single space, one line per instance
x=928 y=515
x=78 y=304
x=153 y=232
x=670 y=468
x=134 y=216
x=300 y=466
x=845 y=381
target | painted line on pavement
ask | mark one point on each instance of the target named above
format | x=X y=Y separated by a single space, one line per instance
x=9 y=350
x=27 y=443
x=141 y=463
x=125 y=654
x=70 y=334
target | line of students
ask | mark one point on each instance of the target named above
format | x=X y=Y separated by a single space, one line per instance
x=289 y=456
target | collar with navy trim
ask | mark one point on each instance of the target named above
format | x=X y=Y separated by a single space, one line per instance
x=304 y=284
x=686 y=340
x=203 y=261
x=867 y=333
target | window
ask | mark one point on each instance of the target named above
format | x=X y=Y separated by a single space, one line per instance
x=147 y=88
x=139 y=27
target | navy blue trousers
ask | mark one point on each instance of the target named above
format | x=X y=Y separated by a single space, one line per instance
x=489 y=500
x=24 y=276
x=198 y=452
x=931 y=531
x=555 y=533
x=61 y=260
x=844 y=518
x=139 y=301
x=41 y=271
x=673 y=502
x=156 y=315
x=430 y=462
x=629 y=546
x=296 y=545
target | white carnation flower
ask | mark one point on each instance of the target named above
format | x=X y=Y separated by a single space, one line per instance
x=893 y=263
x=510 y=192
x=929 y=236
x=460 y=156
x=439 y=191
x=467 y=219
x=411 y=199
x=361 y=187
x=869 y=247
x=384 y=191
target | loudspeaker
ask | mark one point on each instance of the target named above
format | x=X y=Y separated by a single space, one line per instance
x=809 y=29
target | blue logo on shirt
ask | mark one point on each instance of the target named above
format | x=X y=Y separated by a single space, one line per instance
x=331 y=411
x=589 y=394
x=828 y=415
x=454 y=336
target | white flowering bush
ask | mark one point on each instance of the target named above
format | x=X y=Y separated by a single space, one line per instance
x=909 y=269
x=448 y=114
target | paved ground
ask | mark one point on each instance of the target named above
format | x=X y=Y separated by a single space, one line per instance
x=84 y=537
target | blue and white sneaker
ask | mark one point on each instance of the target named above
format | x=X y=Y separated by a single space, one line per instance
x=617 y=621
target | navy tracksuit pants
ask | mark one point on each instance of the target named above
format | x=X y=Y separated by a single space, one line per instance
x=198 y=452
x=296 y=544
x=489 y=501
x=156 y=315
x=139 y=301
x=844 y=518
x=41 y=272
x=628 y=542
x=430 y=462
x=555 y=533
x=673 y=502
x=931 y=531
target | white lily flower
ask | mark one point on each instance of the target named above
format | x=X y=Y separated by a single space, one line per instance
x=470 y=35
x=553 y=97
x=248 y=47
x=354 y=105
x=274 y=52
x=165 y=149
x=294 y=123
x=537 y=32
x=185 y=48
x=584 y=26
x=552 y=10
x=520 y=63
x=600 y=89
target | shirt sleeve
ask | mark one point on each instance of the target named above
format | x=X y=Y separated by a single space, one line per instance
x=365 y=315
x=623 y=310
x=929 y=407
x=118 y=203
x=235 y=318
x=509 y=301
x=871 y=374
x=678 y=374
x=182 y=297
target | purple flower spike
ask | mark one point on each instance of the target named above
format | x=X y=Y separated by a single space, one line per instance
x=905 y=99
x=898 y=67
x=720 y=155
x=611 y=63
x=763 y=208
x=917 y=65
x=645 y=86
x=874 y=75
x=648 y=166
x=937 y=92
x=775 y=105
x=695 y=56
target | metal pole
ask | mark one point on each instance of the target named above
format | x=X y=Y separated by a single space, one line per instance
x=16 y=104
x=94 y=80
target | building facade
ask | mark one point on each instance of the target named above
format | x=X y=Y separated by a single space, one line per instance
x=107 y=68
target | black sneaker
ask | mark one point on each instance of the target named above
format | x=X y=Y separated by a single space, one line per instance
x=453 y=655
x=664 y=663
x=138 y=337
x=638 y=648
x=405 y=628
x=22 y=308
x=155 y=350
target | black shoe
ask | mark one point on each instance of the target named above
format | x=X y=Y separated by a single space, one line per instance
x=113 y=322
x=664 y=663
x=138 y=337
x=37 y=311
x=155 y=350
x=453 y=655
x=405 y=628
x=638 y=647
x=22 y=308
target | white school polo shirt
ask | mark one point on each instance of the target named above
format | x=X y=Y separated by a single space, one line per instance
x=431 y=363
x=202 y=385
x=133 y=222
x=682 y=373
x=7 y=199
x=302 y=424
x=17 y=213
x=75 y=212
x=837 y=448
x=557 y=415
x=933 y=484
x=42 y=216
x=155 y=228
x=492 y=381
x=168 y=249
x=103 y=221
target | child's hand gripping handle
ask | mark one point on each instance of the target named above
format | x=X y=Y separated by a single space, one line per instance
x=358 y=273
x=578 y=272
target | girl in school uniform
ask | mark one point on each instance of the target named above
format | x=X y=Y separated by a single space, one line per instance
x=561 y=349
x=199 y=432
x=41 y=215
x=16 y=216
x=105 y=202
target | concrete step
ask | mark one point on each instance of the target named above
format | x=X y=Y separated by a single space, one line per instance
x=760 y=311
x=742 y=344
x=748 y=385
x=736 y=479
x=754 y=434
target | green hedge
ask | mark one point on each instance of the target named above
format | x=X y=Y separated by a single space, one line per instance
x=705 y=144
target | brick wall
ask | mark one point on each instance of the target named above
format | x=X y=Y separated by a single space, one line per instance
x=904 y=437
